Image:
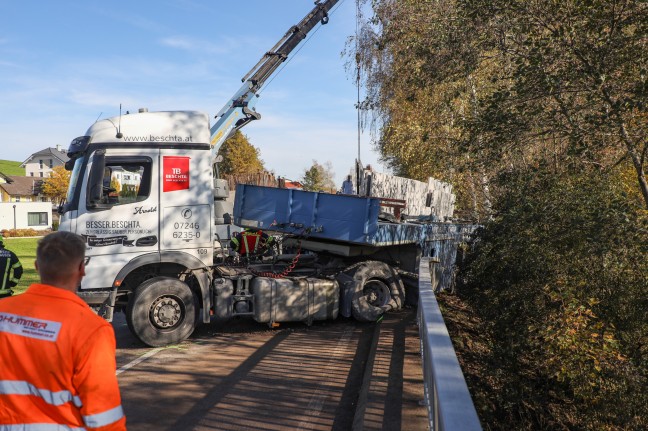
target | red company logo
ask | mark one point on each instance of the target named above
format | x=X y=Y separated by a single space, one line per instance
x=176 y=173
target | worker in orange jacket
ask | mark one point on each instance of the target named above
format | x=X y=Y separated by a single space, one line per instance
x=57 y=357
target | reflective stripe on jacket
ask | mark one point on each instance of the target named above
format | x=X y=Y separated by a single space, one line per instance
x=58 y=364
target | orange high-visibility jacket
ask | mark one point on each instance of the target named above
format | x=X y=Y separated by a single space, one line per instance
x=57 y=364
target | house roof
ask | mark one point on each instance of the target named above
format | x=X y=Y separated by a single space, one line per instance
x=61 y=155
x=21 y=186
x=290 y=184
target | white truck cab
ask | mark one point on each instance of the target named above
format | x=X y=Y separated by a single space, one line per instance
x=145 y=195
x=141 y=196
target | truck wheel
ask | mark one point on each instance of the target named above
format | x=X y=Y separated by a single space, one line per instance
x=162 y=311
x=378 y=288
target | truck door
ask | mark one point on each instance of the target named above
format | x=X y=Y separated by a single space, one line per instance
x=186 y=204
x=119 y=214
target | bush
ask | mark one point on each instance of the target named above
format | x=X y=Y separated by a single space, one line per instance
x=560 y=277
x=21 y=233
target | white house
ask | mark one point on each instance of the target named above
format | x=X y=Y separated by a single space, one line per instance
x=26 y=215
x=41 y=163
x=126 y=178
x=21 y=206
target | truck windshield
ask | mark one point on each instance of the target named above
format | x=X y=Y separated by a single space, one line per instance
x=74 y=178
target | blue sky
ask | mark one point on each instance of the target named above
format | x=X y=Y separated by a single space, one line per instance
x=63 y=64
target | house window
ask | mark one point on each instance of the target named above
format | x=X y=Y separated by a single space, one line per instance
x=51 y=164
x=31 y=174
x=40 y=164
x=37 y=219
x=40 y=174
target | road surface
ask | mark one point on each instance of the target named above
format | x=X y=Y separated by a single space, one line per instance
x=241 y=375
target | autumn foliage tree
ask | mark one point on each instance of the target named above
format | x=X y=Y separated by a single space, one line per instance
x=537 y=112
x=239 y=156
x=319 y=177
x=462 y=90
x=56 y=185
x=423 y=83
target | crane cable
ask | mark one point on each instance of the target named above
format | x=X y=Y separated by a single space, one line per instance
x=357 y=58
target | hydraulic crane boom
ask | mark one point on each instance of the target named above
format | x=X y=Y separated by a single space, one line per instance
x=239 y=110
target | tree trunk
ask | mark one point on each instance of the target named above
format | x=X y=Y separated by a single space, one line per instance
x=637 y=161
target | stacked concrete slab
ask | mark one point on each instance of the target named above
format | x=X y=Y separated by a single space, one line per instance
x=433 y=197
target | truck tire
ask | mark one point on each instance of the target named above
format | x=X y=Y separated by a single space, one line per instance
x=162 y=311
x=378 y=288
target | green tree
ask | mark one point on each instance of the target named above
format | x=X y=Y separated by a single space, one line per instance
x=424 y=79
x=536 y=112
x=576 y=87
x=319 y=177
x=463 y=90
x=129 y=191
x=239 y=156
x=560 y=277
x=56 y=185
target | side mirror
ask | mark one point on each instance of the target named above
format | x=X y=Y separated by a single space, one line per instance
x=61 y=208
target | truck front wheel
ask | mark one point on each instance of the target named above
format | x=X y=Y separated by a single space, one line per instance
x=162 y=311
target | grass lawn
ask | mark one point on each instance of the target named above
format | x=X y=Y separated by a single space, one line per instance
x=8 y=167
x=25 y=249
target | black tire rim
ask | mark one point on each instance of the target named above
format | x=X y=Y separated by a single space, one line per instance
x=377 y=293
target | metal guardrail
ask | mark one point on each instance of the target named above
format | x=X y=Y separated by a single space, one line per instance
x=450 y=407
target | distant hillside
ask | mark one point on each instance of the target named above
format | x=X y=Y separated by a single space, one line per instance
x=8 y=167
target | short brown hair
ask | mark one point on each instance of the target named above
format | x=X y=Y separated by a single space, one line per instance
x=58 y=255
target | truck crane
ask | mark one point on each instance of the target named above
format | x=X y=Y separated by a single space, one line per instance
x=145 y=195
x=240 y=109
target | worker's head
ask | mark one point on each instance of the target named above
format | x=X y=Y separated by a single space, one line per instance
x=60 y=260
